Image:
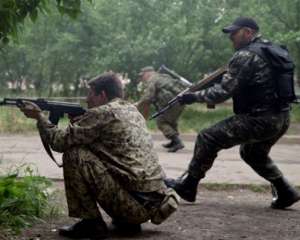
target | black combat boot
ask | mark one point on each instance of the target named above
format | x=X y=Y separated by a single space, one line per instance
x=126 y=229
x=284 y=194
x=177 y=144
x=185 y=186
x=94 y=229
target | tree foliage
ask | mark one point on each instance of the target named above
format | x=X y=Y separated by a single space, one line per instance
x=56 y=52
x=14 y=12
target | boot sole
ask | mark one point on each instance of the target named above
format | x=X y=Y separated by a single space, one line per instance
x=286 y=205
x=176 y=149
x=184 y=197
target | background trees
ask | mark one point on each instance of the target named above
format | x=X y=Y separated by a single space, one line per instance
x=54 y=53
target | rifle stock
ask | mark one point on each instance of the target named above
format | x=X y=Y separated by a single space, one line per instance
x=202 y=84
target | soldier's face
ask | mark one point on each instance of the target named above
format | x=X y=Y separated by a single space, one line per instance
x=95 y=100
x=240 y=38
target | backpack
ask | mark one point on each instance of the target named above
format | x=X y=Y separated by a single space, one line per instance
x=279 y=59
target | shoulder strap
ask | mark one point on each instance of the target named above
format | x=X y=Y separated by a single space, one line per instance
x=49 y=152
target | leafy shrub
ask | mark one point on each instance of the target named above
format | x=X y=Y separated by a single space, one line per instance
x=22 y=200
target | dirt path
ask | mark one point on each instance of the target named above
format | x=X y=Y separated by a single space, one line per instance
x=16 y=150
x=217 y=215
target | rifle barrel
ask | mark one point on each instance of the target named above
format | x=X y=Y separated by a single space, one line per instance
x=193 y=88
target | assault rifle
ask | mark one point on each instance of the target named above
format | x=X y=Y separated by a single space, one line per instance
x=206 y=82
x=56 y=109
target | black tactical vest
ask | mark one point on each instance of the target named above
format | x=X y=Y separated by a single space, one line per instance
x=270 y=93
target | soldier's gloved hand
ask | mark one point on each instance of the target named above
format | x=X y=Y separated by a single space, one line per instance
x=187 y=98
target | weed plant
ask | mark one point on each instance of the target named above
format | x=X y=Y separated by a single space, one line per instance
x=23 y=200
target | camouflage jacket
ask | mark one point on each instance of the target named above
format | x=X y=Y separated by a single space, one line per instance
x=116 y=131
x=248 y=81
x=161 y=88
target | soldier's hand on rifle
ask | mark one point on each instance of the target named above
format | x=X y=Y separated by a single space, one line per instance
x=187 y=98
x=31 y=110
x=74 y=119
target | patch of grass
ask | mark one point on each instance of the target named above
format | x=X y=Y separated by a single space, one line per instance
x=229 y=186
x=12 y=120
x=295 y=116
x=24 y=200
x=194 y=118
x=197 y=117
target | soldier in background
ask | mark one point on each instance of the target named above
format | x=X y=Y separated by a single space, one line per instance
x=260 y=81
x=158 y=90
x=108 y=160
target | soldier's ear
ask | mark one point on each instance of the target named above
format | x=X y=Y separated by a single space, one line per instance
x=103 y=95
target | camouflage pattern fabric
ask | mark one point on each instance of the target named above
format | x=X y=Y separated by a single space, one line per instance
x=108 y=154
x=160 y=89
x=118 y=131
x=248 y=81
x=167 y=123
x=256 y=130
x=88 y=182
x=255 y=134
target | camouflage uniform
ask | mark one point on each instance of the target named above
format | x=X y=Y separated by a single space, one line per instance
x=255 y=129
x=160 y=89
x=109 y=160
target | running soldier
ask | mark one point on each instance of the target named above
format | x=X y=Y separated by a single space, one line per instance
x=260 y=81
x=159 y=89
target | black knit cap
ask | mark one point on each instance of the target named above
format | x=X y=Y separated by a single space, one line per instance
x=239 y=23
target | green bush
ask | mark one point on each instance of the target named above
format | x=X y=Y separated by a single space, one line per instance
x=23 y=199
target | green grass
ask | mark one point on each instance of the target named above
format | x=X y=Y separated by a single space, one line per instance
x=198 y=117
x=12 y=120
x=295 y=118
x=24 y=200
x=230 y=187
x=195 y=118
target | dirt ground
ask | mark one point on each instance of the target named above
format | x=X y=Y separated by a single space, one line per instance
x=217 y=215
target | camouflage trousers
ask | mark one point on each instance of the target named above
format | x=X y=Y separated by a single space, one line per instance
x=255 y=135
x=167 y=123
x=88 y=183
